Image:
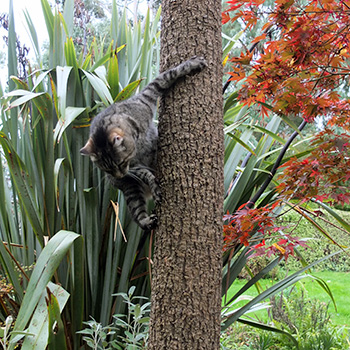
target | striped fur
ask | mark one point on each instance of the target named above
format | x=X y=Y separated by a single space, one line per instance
x=123 y=142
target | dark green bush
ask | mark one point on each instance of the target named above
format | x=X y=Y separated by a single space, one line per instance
x=256 y=264
x=319 y=244
x=345 y=207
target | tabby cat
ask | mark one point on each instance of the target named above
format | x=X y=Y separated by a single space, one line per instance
x=123 y=142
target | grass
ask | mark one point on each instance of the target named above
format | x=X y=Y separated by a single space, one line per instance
x=338 y=282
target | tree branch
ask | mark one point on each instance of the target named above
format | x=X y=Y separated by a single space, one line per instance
x=258 y=194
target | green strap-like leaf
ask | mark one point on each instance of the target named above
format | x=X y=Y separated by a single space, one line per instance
x=342 y=222
x=255 y=279
x=57 y=339
x=100 y=88
x=270 y=329
x=51 y=303
x=113 y=75
x=24 y=187
x=49 y=18
x=27 y=96
x=128 y=90
x=47 y=263
x=68 y=15
x=278 y=287
x=71 y=113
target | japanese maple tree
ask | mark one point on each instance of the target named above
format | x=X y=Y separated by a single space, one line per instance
x=297 y=67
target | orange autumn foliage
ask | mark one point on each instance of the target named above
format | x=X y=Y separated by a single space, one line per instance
x=302 y=63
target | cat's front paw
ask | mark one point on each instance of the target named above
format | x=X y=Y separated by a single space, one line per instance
x=198 y=63
x=149 y=223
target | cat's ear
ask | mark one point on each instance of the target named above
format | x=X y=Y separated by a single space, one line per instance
x=116 y=137
x=88 y=149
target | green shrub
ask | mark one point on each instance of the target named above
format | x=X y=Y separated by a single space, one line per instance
x=132 y=328
x=306 y=319
x=319 y=244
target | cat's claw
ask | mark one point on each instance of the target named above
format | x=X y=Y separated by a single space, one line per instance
x=149 y=223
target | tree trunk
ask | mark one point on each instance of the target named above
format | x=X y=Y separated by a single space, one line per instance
x=186 y=287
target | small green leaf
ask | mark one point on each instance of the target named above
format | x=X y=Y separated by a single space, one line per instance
x=137 y=310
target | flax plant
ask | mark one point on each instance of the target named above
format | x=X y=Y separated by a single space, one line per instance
x=58 y=213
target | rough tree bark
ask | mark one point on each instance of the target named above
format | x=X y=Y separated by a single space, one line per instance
x=186 y=295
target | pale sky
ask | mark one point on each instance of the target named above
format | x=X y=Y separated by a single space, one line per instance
x=35 y=12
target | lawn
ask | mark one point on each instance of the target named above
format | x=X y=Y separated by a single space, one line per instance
x=338 y=282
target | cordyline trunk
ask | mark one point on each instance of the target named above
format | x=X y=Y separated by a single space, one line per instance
x=186 y=295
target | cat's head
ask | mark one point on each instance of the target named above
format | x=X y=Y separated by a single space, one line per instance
x=110 y=150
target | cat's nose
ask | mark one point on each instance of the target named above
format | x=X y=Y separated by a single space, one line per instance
x=118 y=175
x=121 y=173
x=125 y=170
